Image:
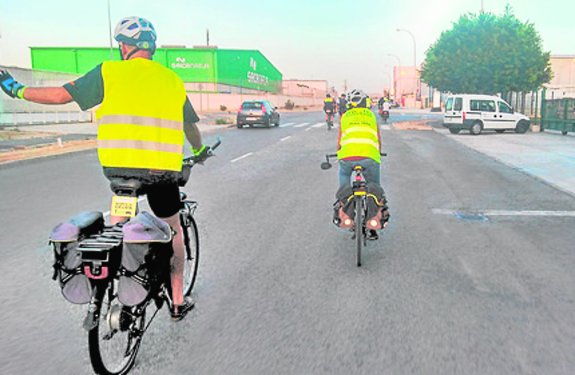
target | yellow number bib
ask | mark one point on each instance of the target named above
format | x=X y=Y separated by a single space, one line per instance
x=124 y=206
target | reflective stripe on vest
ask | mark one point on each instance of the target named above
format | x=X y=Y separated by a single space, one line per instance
x=140 y=121
x=359 y=136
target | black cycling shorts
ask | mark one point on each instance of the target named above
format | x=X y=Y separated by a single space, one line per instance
x=164 y=199
x=162 y=189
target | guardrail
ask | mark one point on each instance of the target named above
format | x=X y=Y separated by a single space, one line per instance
x=41 y=118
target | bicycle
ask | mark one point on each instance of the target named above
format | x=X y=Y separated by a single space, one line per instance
x=115 y=330
x=329 y=115
x=360 y=193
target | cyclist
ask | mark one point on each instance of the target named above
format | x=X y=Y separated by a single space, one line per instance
x=328 y=107
x=342 y=105
x=359 y=143
x=143 y=116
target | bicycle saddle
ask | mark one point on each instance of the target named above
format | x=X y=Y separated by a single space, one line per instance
x=126 y=186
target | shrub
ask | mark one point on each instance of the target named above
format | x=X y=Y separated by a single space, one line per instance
x=222 y=121
x=223 y=108
x=289 y=104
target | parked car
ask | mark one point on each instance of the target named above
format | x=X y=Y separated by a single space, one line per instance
x=477 y=113
x=257 y=112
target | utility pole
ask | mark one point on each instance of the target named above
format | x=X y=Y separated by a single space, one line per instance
x=110 y=30
x=207 y=37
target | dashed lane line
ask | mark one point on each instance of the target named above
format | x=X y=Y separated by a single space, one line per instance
x=301 y=125
x=318 y=125
x=241 y=157
x=441 y=211
x=285 y=138
x=287 y=124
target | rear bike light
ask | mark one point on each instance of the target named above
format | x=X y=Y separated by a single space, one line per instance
x=347 y=221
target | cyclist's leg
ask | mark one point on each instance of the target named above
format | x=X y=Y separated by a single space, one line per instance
x=345 y=169
x=164 y=201
x=371 y=170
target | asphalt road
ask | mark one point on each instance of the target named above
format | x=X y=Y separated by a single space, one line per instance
x=278 y=289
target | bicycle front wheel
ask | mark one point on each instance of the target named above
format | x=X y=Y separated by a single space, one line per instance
x=115 y=340
x=359 y=228
x=192 y=243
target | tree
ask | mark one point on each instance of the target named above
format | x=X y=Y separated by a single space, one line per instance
x=487 y=54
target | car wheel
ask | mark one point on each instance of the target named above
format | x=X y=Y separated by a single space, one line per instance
x=454 y=130
x=278 y=121
x=240 y=126
x=476 y=128
x=499 y=130
x=564 y=132
x=267 y=123
x=522 y=127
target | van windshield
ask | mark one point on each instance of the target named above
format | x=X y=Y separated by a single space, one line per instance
x=449 y=104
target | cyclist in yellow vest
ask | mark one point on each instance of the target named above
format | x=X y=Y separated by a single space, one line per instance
x=359 y=143
x=143 y=116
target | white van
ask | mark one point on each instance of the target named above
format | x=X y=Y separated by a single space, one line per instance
x=482 y=112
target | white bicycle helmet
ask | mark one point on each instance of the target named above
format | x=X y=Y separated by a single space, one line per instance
x=136 y=31
x=356 y=98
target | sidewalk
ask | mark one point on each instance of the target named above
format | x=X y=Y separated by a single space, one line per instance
x=32 y=141
x=548 y=156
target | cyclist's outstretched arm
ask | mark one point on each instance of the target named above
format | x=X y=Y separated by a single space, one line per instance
x=47 y=95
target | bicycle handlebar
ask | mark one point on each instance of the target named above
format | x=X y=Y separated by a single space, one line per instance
x=191 y=160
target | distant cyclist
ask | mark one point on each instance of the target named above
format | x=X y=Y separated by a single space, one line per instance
x=329 y=109
x=143 y=115
x=342 y=105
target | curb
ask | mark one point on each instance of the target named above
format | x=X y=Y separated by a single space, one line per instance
x=45 y=150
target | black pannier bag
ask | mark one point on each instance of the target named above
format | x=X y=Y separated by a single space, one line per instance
x=146 y=255
x=376 y=205
x=64 y=238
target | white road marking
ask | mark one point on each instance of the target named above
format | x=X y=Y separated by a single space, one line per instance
x=242 y=157
x=319 y=124
x=441 y=211
x=308 y=129
x=285 y=138
x=301 y=125
x=287 y=124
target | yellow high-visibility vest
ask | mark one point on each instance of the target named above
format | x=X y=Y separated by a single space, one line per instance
x=140 y=120
x=359 y=135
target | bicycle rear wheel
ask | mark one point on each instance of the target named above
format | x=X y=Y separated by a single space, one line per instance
x=115 y=340
x=359 y=228
x=192 y=242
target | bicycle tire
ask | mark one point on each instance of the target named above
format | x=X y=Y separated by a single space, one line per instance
x=103 y=352
x=192 y=244
x=358 y=228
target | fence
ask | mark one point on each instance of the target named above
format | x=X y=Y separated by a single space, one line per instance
x=22 y=112
x=558 y=109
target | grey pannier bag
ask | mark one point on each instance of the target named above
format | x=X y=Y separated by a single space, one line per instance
x=146 y=255
x=74 y=284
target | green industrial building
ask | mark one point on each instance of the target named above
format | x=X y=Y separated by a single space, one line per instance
x=202 y=69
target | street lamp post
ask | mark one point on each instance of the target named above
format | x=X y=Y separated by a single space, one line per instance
x=414 y=60
x=110 y=29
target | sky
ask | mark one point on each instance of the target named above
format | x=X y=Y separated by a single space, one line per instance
x=342 y=41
